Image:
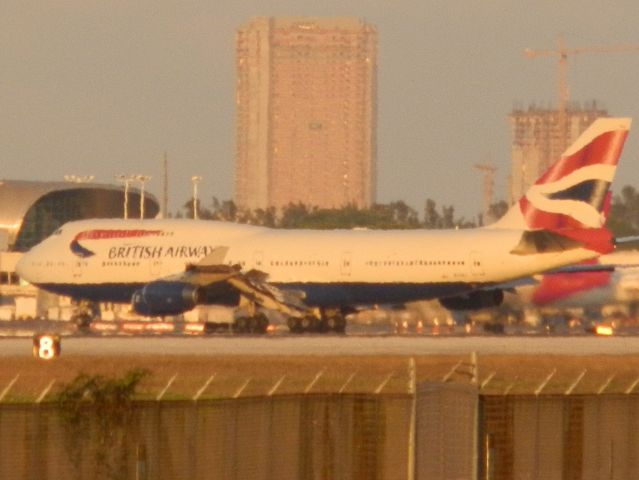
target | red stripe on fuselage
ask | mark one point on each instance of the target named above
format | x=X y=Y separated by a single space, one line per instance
x=108 y=234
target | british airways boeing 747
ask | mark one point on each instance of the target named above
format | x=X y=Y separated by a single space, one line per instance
x=166 y=267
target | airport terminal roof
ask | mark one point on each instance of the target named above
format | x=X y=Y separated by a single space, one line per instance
x=18 y=198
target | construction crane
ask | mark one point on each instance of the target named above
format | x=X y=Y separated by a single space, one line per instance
x=562 y=53
x=489 y=188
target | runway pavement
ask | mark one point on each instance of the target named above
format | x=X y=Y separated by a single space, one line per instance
x=331 y=345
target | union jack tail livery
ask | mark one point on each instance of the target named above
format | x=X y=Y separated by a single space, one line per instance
x=573 y=192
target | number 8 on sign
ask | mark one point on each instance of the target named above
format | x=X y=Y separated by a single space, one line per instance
x=46 y=346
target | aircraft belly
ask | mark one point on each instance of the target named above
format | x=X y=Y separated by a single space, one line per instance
x=97 y=292
x=332 y=294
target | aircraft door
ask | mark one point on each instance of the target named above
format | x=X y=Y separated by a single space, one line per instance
x=78 y=268
x=346 y=264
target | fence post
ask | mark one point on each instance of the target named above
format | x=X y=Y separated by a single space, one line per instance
x=474 y=368
x=45 y=391
x=487 y=380
x=511 y=385
x=276 y=386
x=545 y=382
x=140 y=463
x=314 y=381
x=204 y=387
x=451 y=371
x=412 y=390
x=475 y=381
x=241 y=389
x=606 y=384
x=632 y=386
x=348 y=380
x=381 y=386
x=166 y=388
x=575 y=383
x=8 y=387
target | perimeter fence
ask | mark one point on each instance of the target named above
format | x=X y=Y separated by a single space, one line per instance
x=289 y=437
x=436 y=430
x=559 y=437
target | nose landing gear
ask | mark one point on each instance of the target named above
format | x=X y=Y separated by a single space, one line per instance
x=84 y=314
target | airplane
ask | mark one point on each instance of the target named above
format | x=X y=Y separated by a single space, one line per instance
x=315 y=278
x=589 y=291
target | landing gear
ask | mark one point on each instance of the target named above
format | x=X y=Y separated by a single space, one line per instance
x=249 y=318
x=334 y=321
x=257 y=323
x=84 y=314
x=323 y=321
x=307 y=323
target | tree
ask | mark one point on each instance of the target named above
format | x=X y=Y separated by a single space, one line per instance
x=624 y=213
x=432 y=218
x=495 y=212
x=394 y=215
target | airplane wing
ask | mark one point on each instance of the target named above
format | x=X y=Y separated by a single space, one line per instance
x=629 y=240
x=210 y=281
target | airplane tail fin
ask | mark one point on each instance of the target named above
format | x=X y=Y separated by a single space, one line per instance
x=573 y=194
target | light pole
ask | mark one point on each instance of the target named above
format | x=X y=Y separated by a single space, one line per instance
x=142 y=179
x=126 y=179
x=79 y=178
x=195 y=179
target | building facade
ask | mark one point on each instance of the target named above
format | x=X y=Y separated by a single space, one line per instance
x=306 y=112
x=539 y=140
x=31 y=211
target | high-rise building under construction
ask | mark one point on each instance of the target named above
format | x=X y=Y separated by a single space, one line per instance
x=306 y=112
x=540 y=136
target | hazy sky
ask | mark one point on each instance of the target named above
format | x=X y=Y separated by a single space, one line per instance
x=105 y=87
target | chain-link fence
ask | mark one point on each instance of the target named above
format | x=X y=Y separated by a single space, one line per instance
x=298 y=436
x=559 y=437
x=443 y=431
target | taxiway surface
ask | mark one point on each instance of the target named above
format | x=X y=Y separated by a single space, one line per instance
x=332 y=345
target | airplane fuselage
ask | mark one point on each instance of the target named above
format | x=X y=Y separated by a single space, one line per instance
x=107 y=260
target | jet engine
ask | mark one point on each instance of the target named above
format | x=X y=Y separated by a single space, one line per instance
x=165 y=298
x=474 y=300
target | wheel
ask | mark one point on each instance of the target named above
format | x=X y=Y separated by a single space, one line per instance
x=241 y=325
x=257 y=324
x=306 y=323
x=331 y=323
x=262 y=323
x=333 y=320
x=293 y=324
x=82 y=322
x=340 y=324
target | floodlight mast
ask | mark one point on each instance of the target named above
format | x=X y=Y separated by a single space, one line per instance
x=195 y=179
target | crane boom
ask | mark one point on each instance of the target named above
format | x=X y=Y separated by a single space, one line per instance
x=562 y=53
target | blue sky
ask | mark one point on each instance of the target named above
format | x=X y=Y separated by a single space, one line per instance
x=106 y=87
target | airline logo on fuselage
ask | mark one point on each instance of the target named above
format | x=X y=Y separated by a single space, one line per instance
x=136 y=250
x=143 y=252
x=81 y=251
